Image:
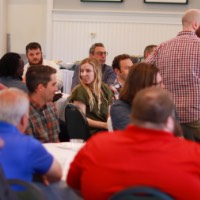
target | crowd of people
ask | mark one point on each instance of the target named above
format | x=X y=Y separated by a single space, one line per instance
x=153 y=106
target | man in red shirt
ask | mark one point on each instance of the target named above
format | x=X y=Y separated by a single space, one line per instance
x=144 y=154
x=178 y=60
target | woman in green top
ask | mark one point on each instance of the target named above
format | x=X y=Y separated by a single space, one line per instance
x=92 y=96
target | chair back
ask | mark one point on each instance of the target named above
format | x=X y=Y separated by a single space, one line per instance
x=77 y=124
x=140 y=193
x=26 y=190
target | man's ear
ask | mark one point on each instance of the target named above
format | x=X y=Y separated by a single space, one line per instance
x=117 y=71
x=169 y=125
x=195 y=25
x=40 y=87
x=23 y=123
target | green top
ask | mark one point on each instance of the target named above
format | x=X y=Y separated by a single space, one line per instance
x=80 y=94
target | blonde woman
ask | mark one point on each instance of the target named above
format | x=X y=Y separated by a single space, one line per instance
x=92 y=96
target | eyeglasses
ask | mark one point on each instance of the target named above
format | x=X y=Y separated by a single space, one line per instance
x=101 y=53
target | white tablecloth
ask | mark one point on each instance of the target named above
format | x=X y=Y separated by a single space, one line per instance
x=67 y=80
x=64 y=152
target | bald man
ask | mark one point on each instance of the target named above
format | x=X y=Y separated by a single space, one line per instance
x=179 y=62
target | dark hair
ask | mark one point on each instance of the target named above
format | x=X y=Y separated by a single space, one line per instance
x=152 y=105
x=9 y=64
x=117 y=59
x=33 y=45
x=92 y=48
x=38 y=74
x=140 y=76
x=149 y=49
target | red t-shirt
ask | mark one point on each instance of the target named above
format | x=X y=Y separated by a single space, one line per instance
x=110 y=162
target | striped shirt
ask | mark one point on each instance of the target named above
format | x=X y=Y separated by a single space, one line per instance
x=179 y=62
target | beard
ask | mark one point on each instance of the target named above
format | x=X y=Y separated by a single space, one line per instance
x=36 y=62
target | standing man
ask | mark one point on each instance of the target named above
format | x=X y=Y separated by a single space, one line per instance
x=35 y=57
x=22 y=156
x=179 y=62
x=43 y=119
x=121 y=65
x=97 y=51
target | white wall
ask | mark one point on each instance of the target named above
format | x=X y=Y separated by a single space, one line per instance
x=3 y=27
x=26 y=23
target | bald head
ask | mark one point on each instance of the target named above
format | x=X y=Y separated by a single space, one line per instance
x=189 y=19
x=152 y=105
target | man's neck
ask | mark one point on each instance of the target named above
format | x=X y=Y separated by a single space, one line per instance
x=35 y=98
x=121 y=81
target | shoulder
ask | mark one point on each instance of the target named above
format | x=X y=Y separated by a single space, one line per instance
x=79 y=93
x=120 y=106
x=51 y=64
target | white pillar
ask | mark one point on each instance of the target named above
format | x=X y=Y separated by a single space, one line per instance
x=3 y=28
x=49 y=29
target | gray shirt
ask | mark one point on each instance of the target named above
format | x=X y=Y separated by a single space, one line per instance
x=13 y=82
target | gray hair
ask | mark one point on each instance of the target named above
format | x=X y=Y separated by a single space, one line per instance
x=14 y=103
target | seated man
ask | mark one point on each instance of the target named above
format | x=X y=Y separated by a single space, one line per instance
x=11 y=71
x=22 y=155
x=35 y=57
x=121 y=65
x=97 y=51
x=149 y=50
x=146 y=153
x=43 y=121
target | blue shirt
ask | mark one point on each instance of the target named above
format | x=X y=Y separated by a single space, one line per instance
x=120 y=121
x=22 y=155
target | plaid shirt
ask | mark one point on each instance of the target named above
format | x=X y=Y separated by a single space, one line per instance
x=43 y=122
x=179 y=62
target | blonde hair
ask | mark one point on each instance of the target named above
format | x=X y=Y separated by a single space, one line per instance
x=95 y=88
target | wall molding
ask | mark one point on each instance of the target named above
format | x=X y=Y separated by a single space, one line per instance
x=117 y=16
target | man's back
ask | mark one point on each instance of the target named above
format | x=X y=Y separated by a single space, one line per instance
x=179 y=62
x=133 y=157
x=21 y=155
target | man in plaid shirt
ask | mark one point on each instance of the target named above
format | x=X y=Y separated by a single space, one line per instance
x=43 y=119
x=179 y=62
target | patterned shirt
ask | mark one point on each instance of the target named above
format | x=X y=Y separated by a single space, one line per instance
x=43 y=122
x=179 y=62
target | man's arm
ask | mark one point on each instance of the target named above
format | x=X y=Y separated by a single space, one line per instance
x=54 y=173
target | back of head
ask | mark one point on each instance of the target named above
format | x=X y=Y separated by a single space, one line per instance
x=38 y=74
x=152 y=105
x=9 y=64
x=33 y=45
x=14 y=103
x=92 y=48
x=149 y=50
x=117 y=59
x=190 y=16
x=140 y=76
